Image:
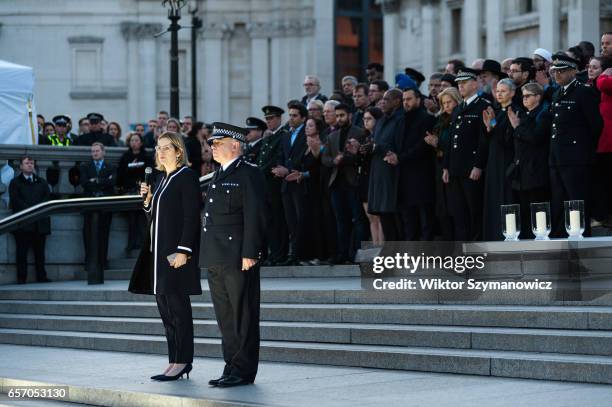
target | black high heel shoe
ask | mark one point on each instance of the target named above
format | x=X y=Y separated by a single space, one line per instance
x=163 y=378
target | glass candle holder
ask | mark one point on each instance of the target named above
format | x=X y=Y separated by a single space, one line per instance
x=574 y=219
x=511 y=221
x=540 y=220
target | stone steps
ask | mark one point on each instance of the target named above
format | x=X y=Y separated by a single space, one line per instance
x=458 y=337
x=551 y=366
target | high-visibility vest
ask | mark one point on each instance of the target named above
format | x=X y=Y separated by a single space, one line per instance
x=55 y=140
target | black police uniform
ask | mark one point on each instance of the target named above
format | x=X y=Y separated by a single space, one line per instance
x=576 y=126
x=233 y=228
x=252 y=149
x=467 y=149
x=95 y=137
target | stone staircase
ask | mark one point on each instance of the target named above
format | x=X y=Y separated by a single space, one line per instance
x=320 y=315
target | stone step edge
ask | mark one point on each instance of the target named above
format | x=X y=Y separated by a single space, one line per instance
x=98 y=396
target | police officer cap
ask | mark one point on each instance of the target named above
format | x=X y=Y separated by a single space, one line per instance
x=272 y=111
x=96 y=117
x=404 y=82
x=415 y=75
x=448 y=77
x=253 y=123
x=223 y=130
x=562 y=61
x=465 y=74
x=61 y=120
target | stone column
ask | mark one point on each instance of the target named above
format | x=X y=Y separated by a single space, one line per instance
x=260 y=66
x=142 y=72
x=428 y=37
x=213 y=72
x=495 y=30
x=390 y=9
x=472 y=25
x=550 y=26
x=324 y=43
x=583 y=22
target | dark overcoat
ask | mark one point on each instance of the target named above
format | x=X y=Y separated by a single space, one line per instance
x=174 y=227
x=24 y=194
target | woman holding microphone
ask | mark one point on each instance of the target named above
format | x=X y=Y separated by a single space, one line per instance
x=167 y=266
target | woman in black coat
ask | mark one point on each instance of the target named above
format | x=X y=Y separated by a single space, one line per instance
x=168 y=263
x=130 y=173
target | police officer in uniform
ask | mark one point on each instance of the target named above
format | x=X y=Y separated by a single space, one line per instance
x=576 y=126
x=231 y=248
x=269 y=158
x=61 y=136
x=466 y=158
x=256 y=128
x=96 y=134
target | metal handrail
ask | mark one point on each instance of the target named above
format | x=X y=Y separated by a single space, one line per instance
x=100 y=204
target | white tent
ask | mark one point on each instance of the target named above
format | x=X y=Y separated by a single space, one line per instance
x=18 y=123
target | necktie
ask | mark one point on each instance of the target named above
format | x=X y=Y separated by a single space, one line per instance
x=98 y=166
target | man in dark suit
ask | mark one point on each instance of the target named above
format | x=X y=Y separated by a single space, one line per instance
x=96 y=133
x=26 y=190
x=98 y=179
x=576 y=127
x=268 y=158
x=466 y=158
x=256 y=127
x=231 y=247
x=344 y=183
x=416 y=161
x=291 y=155
x=312 y=87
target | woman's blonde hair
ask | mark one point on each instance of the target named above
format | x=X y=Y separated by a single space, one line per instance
x=179 y=145
x=451 y=92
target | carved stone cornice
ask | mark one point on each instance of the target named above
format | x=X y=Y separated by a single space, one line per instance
x=133 y=30
x=216 y=30
x=389 y=6
x=281 y=28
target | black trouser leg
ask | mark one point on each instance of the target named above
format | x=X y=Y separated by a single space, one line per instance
x=569 y=183
x=38 y=244
x=105 y=223
x=22 y=243
x=236 y=298
x=466 y=200
x=389 y=224
x=277 y=236
x=175 y=311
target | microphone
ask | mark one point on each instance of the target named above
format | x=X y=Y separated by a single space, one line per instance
x=148 y=172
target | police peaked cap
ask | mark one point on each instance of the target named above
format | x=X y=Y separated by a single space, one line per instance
x=224 y=130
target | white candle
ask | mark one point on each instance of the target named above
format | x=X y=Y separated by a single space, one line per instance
x=541 y=222
x=510 y=224
x=575 y=222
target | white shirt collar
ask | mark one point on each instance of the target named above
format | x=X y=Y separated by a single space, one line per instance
x=568 y=85
x=253 y=143
x=471 y=99
x=226 y=165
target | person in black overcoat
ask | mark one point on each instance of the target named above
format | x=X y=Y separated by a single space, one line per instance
x=98 y=178
x=233 y=240
x=26 y=190
x=531 y=144
x=168 y=265
x=416 y=160
x=576 y=127
x=96 y=134
x=384 y=177
x=500 y=161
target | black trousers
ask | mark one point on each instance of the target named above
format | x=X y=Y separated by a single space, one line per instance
x=23 y=241
x=466 y=201
x=602 y=193
x=175 y=312
x=566 y=184
x=277 y=230
x=104 y=231
x=419 y=222
x=235 y=296
x=391 y=226
x=293 y=204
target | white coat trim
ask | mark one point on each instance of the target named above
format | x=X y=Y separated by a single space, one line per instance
x=162 y=188
x=184 y=248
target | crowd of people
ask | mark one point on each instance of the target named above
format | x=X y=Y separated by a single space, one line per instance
x=388 y=162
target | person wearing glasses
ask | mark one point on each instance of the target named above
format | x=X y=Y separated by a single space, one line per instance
x=233 y=238
x=312 y=87
x=576 y=127
x=521 y=72
x=167 y=266
x=530 y=180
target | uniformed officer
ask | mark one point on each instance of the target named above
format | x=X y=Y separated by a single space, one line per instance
x=60 y=137
x=269 y=158
x=466 y=158
x=576 y=126
x=231 y=248
x=96 y=134
x=256 y=128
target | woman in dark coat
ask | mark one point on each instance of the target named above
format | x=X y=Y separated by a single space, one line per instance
x=531 y=145
x=168 y=263
x=130 y=173
x=500 y=161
